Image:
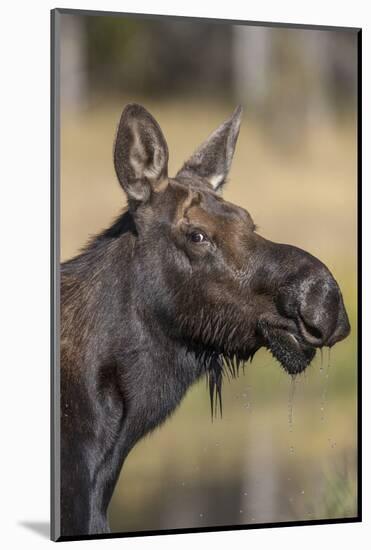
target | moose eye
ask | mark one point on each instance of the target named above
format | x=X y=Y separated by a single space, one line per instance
x=198 y=237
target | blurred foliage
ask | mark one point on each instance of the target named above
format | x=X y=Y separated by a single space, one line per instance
x=157 y=57
x=340 y=490
x=160 y=57
x=283 y=76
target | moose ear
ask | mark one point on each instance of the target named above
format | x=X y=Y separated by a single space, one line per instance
x=212 y=160
x=141 y=154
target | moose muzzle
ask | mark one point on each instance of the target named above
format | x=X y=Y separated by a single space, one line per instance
x=309 y=311
x=314 y=301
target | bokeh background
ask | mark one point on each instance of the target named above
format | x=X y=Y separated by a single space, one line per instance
x=282 y=451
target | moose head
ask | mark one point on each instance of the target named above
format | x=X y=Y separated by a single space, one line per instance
x=225 y=290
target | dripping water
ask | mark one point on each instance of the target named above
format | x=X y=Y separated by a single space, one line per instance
x=291 y=401
x=326 y=385
x=290 y=415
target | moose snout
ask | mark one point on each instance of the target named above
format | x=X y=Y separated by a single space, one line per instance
x=321 y=316
x=311 y=298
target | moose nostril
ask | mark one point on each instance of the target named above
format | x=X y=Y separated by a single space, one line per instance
x=311 y=334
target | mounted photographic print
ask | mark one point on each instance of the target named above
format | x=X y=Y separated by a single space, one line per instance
x=205 y=371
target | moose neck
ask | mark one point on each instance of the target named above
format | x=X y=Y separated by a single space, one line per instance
x=134 y=370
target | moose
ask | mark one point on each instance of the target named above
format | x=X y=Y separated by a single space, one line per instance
x=181 y=286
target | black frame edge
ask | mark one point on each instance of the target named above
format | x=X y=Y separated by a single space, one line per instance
x=213 y=529
x=72 y=11
x=359 y=274
x=54 y=276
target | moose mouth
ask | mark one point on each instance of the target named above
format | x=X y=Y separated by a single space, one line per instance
x=288 y=347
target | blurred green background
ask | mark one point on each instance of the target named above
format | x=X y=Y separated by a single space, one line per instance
x=295 y=171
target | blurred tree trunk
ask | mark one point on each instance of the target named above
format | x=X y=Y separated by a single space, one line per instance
x=73 y=63
x=293 y=80
x=251 y=62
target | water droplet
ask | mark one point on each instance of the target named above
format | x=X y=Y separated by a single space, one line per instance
x=201 y=515
x=241 y=511
x=245 y=493
x=303 y=492
x=326 y=385
x=292 y=449
x=291 y=403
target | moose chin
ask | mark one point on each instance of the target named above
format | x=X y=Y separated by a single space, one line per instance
x=181 y=286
